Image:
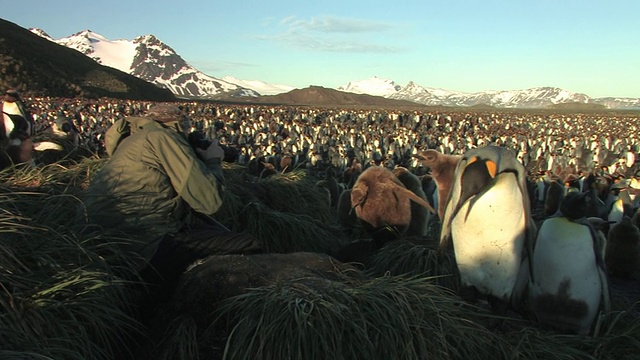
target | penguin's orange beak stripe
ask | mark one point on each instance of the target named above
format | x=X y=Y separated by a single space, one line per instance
x=492 y=168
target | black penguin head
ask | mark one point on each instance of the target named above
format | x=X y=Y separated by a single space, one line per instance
x=476 y=176
x=575 y=205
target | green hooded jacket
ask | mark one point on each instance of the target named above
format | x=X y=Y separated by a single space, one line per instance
x=150 y=181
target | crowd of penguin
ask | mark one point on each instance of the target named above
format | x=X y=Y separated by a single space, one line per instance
x=542 y=244
x=540 y=210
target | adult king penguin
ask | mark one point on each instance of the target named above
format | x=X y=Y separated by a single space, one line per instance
x=568 y=278
x=487 y=220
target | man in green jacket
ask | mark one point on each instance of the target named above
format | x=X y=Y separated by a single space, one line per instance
x=152 y=184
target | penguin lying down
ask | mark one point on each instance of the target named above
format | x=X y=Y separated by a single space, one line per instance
x=383 y=204
x=381 y=200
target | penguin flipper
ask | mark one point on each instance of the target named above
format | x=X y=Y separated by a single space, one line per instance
x=606 y=296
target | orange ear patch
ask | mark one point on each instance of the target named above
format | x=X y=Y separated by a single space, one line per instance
x=492 y=167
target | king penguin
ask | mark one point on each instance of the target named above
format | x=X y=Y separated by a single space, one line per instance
x=487 y=221
x=569 y=282
x=622 y=251
x=420 y=215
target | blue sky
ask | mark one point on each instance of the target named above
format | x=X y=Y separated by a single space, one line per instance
x=586 y=46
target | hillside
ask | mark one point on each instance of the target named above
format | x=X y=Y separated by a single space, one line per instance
x=36 y=66
x=321 y=96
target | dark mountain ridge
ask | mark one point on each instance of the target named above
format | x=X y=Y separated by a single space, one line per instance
x=327 y=97
x=38 y=67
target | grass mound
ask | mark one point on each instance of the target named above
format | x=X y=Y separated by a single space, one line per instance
x=383 y=318
x=62 y=294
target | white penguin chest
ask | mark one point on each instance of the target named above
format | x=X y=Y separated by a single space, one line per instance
x=488 y=235
x=564 y=252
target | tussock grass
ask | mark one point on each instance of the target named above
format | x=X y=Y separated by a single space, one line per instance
x=67 y=289
x=284 y=232
x=407 y=258
x=286 y=211
x=293 y=192
x=180 y=341
x=60 y=293
x=383 y=318
x=618 y=338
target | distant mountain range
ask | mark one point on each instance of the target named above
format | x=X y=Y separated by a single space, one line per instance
x=148 y=58
x=540 y=97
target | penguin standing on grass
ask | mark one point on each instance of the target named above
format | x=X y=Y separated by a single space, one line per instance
x=487 y=221
x=568 y=277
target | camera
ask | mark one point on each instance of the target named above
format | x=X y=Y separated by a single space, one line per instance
x=197 y=139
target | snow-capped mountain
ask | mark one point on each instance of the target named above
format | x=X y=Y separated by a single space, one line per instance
x=150 y=59
x=618 y=103
x=260 y=86
x=529 y=98
x=117 y=54
x=539 y=97
x=41 y=33
x=374 y=86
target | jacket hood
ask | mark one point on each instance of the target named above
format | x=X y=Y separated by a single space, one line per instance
x=125 y=127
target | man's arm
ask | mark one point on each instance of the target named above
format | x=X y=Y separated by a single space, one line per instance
x=199 y=184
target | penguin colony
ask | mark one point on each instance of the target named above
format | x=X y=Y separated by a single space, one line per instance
x=543 y=245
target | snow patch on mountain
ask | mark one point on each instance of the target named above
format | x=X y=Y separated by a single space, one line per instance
x=150 y=59
x=261 y=87
x=539 y=97
x=41 y=33
x=373 y=86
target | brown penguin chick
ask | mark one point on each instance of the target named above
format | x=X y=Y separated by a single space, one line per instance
x=622 y=252
x=443 y=169
x=380 y=199
x=268 y=170
x=286 y=163
x=419 y=214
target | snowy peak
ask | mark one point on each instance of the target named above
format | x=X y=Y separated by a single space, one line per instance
x=373 y=86
x=41 y=33
x=116 y=54
x=539 y=97
x=260 y=86
x=150 y=59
